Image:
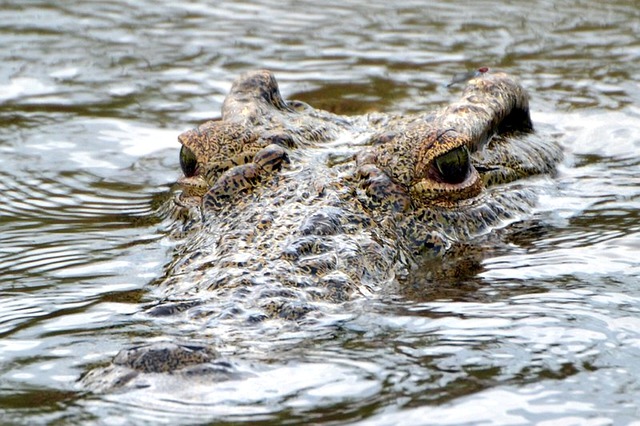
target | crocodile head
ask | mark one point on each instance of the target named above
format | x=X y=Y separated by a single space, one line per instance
x=286 y=211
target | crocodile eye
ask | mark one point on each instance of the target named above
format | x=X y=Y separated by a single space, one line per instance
x=188 y=161
x=454 y=166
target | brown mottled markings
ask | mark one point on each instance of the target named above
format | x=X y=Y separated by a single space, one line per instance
x=288 y=208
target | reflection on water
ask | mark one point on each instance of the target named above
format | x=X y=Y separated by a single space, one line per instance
x=92 y=97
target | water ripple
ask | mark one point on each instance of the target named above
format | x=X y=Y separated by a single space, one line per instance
x=92 y=97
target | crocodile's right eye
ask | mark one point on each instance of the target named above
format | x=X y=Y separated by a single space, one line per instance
x=188 y=161
x=454 y=166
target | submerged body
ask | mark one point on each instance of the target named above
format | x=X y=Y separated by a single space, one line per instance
x=285 y=209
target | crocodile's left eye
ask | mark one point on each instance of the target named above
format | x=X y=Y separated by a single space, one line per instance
x=454 y=166
x=188 y=161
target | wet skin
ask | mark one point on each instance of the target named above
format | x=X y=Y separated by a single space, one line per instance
x=285 y=208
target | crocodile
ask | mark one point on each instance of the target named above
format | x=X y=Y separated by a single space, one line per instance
x=286 y=212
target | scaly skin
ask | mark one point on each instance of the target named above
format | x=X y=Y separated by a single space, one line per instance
x=286 y=208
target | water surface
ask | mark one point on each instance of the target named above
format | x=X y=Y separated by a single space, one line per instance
x=92 y=97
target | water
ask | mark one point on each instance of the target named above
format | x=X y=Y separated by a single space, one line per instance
x=92 y=97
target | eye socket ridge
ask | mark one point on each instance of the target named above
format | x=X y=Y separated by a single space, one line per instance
x=453 y=167
x=188 y=161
